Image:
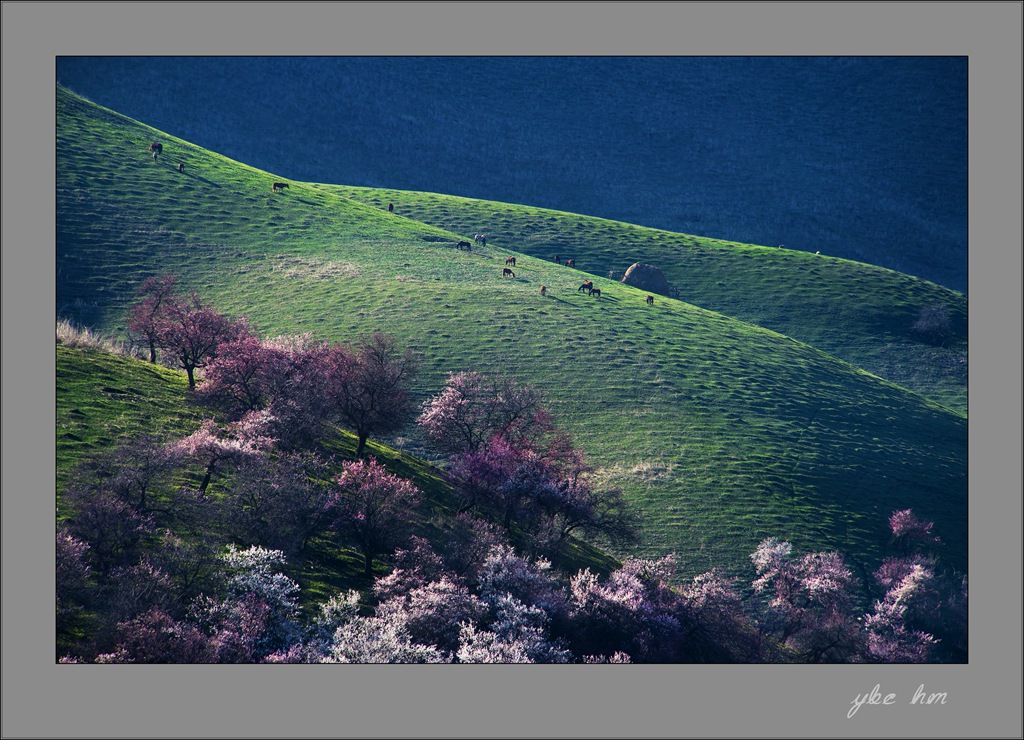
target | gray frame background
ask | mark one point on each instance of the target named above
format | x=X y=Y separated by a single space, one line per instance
x=41 y=699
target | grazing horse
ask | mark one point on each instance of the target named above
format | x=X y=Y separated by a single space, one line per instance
x=650 y=300
x=156 y=147
x=481 y=239
x=543 y=290
x=558 y=260
x=595 y=292
x=507 y=273
x=587 y=286
x=511 y=261
x=279 y=186
x=464 y=245
x=391 y=207
x=181 y=166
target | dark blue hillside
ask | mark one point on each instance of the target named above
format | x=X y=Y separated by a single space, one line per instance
x=864 y=158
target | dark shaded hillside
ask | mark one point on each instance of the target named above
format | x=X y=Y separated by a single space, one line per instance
x=721 y=432
x=863 y=158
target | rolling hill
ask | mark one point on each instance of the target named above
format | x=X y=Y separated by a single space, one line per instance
x=722 y=432
x=858 y=312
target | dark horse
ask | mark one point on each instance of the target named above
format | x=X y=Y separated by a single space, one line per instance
x=507 y=273
x=465 y=245
x=181 y=166
x=511 y=261
x=587 y=286
x=650 y=300
x=279 y=186
x=570 y=263
x=595 y=292
x=156 y=147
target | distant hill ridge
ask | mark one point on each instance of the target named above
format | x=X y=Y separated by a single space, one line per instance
x=863 y=158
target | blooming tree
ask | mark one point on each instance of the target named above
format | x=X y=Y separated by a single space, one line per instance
x=544 y=490
x=434 y=612
x=889 y=638
x=244 y=376
x=811 y=605
x=517 y=635
x=922 y=614
x=145 y=317
x=157 y=637
x=635 y=611
x=112 y=528
x=191 y=332
x=244 y=438
x=368 y=386
x=716 y=627
x=300 y=403
x=910 y=533
x=375 y=507
x=473 y=409
x=380 y=640
x=73 y=574
x=259 y=614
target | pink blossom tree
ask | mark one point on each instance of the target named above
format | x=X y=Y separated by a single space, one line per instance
x=244 y=376
x=922 y=613
x=716 y=627
x=635 y=611
x=890 y=640
x=375 y=507
x=473 y=409
x=145 y=317
x=518 y=634
x=157 y=637
x=245 y=438
x=811 y=606
x=910 y=533
x=300 y=402
x=433 y=612
x=368 y=386
x=112 y=528
x=190 y=331
x=545 y=490
x=73 y=575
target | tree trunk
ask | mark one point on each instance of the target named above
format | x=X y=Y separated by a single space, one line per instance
x=368 y=563
x=206 y=480
x=190 y=371
x=362 y=443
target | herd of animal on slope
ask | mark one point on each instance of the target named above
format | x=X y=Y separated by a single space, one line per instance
x=157 y=149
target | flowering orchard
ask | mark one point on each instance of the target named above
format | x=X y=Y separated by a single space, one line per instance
x=188 y=550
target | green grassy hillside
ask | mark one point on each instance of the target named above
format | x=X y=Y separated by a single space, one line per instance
x=722 y=432
x=104 y=399
x=858 y=312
